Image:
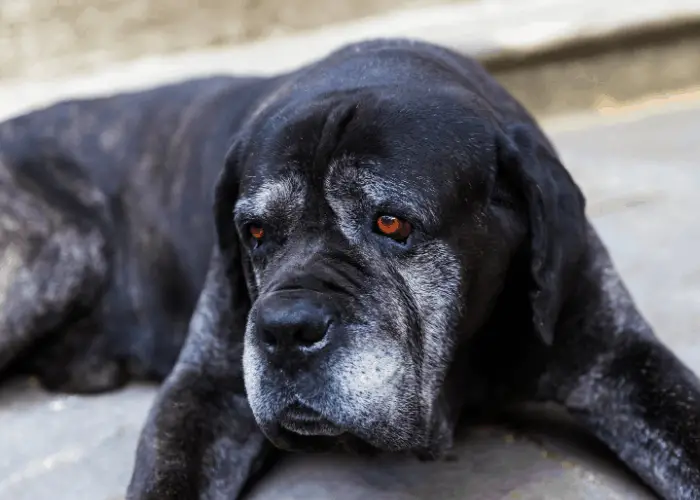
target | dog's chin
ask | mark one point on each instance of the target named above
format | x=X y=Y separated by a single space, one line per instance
x=304 y=421
x=302 y=429
x=291 y=441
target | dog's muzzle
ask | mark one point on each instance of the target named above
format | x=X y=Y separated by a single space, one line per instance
x=292 y=325
x=294 y=332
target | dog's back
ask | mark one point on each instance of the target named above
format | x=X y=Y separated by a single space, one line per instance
x=106 y=231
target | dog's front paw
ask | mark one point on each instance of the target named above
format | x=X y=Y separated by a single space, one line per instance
x=198 y=442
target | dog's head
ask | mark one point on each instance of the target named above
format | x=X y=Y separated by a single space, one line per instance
x=375 y=203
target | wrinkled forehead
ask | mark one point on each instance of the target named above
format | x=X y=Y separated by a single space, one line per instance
x=365 y=183
x=407 y=153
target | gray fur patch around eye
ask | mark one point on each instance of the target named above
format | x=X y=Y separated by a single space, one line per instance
x=353 y=191
x=283 y=196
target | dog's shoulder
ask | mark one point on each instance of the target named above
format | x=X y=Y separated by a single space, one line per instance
x=103 y=137
x=80 y=119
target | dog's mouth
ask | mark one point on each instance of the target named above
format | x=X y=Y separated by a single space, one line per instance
x=304 y=421
x=300 y=428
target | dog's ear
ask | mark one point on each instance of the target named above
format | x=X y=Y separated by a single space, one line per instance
x=226 y=192
x=201 y=413
x=557 y=224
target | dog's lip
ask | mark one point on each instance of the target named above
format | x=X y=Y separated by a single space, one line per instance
x=305 y=421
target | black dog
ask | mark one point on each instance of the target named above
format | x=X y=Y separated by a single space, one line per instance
x=395 y=244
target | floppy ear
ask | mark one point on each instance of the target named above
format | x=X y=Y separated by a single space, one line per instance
x=225 y=196
x=226 y=193
x=201 y=439
x=556 y=218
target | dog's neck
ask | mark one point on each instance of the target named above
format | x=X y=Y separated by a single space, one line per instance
x=505 y=362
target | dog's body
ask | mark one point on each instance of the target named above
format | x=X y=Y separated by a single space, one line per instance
x=395 y=244
x=106 y=230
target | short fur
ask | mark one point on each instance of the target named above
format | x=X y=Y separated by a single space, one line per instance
x=502 y=293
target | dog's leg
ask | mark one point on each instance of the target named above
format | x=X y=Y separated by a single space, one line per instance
x=53 y=252
x=200 y=439
x=617 y=379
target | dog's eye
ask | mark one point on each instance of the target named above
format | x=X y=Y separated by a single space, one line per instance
x=395 y=228
x=257 y=232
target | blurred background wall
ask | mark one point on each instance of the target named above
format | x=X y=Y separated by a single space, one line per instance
x=76 y=34
x=556 y=56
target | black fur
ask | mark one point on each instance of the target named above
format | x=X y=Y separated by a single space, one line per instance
x=502 y=293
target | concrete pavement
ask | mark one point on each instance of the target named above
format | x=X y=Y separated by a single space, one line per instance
x=640 y=173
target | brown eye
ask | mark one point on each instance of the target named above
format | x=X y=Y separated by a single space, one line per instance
x=257 y=232
x=394 y=227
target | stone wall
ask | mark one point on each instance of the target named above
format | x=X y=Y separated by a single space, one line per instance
x=42 y=38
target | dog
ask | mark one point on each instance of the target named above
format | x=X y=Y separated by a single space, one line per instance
x=354 y=255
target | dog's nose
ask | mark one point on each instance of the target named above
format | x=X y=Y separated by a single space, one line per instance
x=292 y=321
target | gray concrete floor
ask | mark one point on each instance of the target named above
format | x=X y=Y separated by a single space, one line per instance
x=641 y=174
